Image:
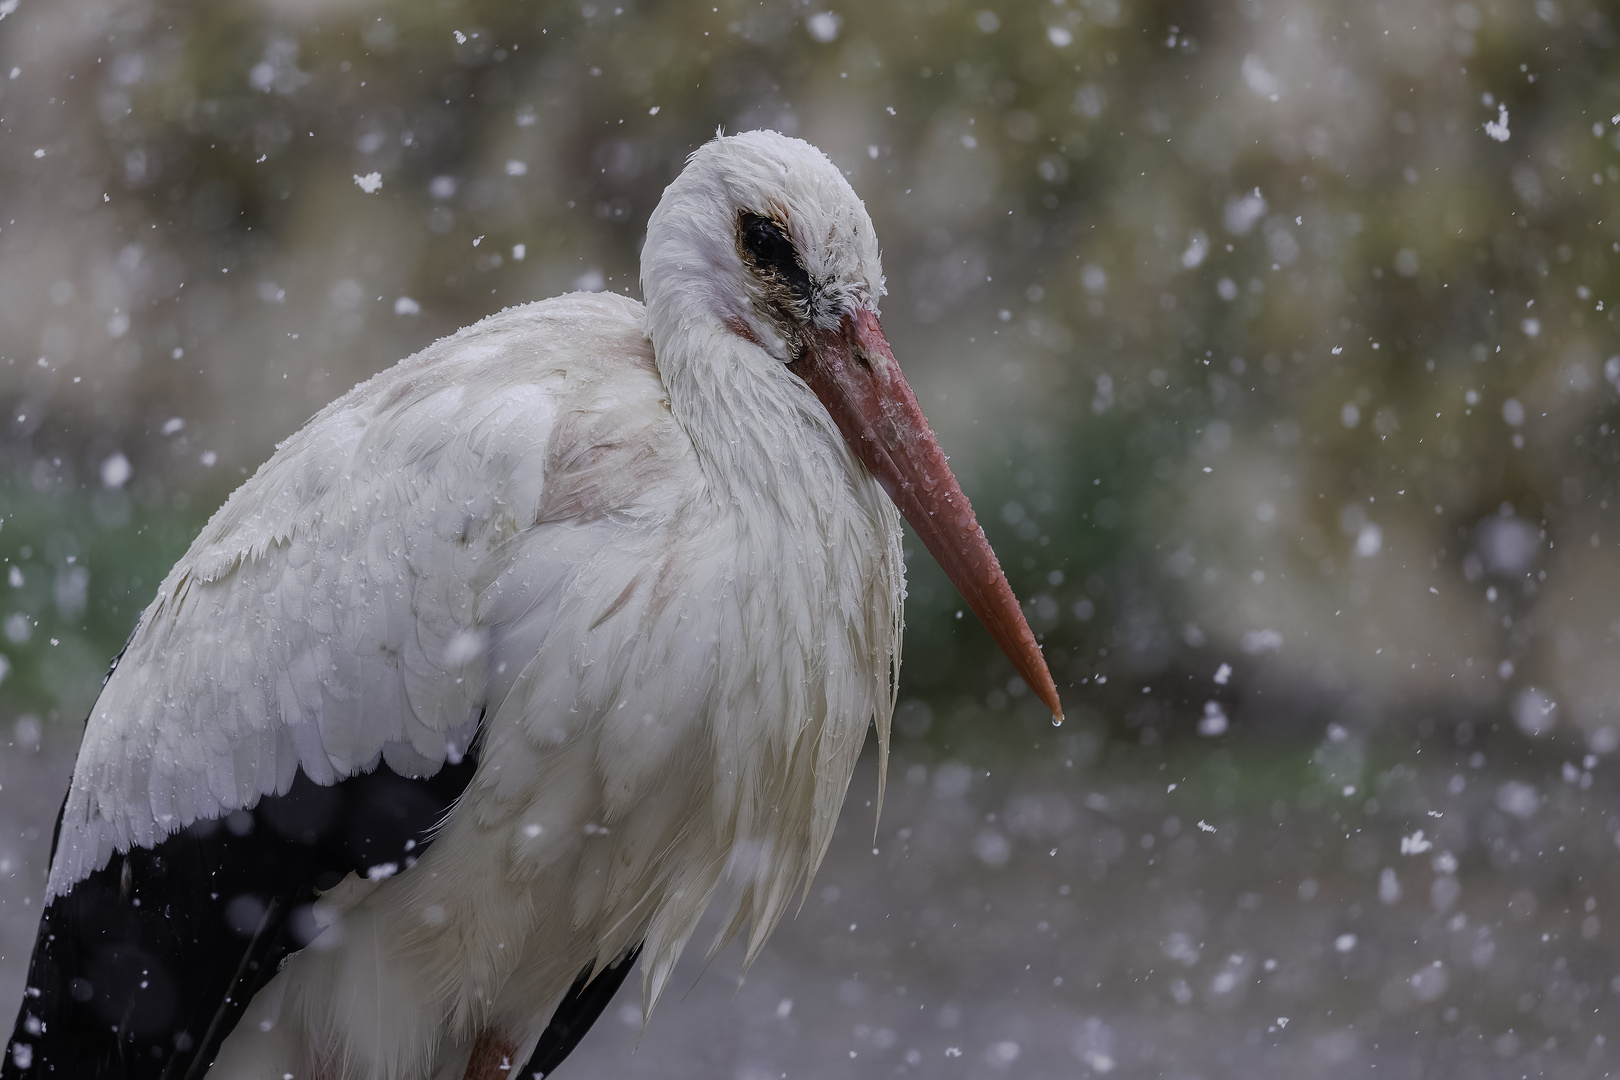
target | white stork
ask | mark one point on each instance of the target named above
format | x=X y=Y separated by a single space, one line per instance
x=507 y=665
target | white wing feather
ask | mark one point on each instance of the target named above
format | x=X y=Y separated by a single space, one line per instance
x=326 y=617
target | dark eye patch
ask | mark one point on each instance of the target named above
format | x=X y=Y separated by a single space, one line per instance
x=772 y=252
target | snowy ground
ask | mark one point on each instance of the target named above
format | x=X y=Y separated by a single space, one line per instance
x=1057 y=920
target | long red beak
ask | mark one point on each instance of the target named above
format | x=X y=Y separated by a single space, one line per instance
x=854 y=373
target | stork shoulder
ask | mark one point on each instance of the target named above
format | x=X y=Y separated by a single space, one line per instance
x=483 y=400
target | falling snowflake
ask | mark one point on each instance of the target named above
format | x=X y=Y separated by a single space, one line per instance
x=1498 y=128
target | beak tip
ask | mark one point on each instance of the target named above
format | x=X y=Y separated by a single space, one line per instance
x=1039 y=678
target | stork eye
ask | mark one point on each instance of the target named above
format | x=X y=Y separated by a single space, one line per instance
x=771 y=252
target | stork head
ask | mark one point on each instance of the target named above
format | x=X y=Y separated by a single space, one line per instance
x=763 y=236
x=763 y=231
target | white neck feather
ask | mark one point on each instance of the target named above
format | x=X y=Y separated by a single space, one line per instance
x=762 y=437
x=820 y=558
x=820 y=577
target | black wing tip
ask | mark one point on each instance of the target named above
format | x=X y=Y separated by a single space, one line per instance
x=142 y=969
x=579 y=1009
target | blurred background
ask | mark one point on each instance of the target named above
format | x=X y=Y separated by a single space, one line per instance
x=1274 y=342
